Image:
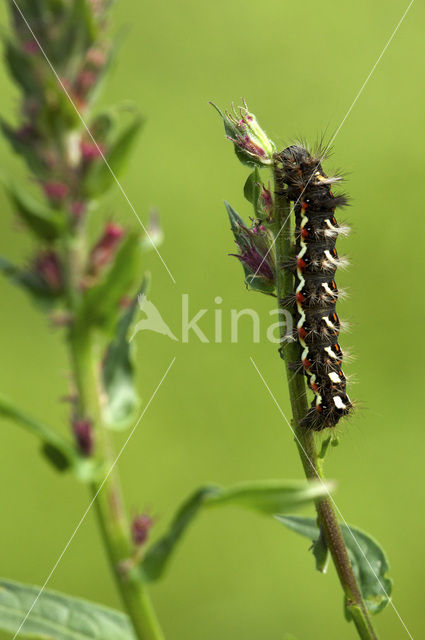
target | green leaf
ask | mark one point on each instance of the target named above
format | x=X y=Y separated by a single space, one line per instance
x=42 y=295
x=321 y=553
x=325 y=446
x=252 y=190
x=21 y=67
x=22 y=148
x=118 y=371
x=236 y=221
x=368 y=561
x=157 y=557
x=44 y=222
x=100 y=178
x=58 y=450
x=258 y=283
x=58 y=617
x=266 y=496
x=80 y=27
x=101 y=302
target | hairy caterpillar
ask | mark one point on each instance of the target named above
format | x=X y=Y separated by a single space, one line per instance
x=315 y=290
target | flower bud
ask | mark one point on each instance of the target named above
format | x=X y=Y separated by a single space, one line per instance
x=56 y=191
x=31 y=47
x=266 y=201
x=105 y=248
x=90 y=150
x=254 y=254
x=140 y=528
x=77 y=209
x=47 y=266
x=83 y=433
x=252 y=145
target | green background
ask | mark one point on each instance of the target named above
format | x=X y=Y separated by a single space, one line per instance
x=237 y=574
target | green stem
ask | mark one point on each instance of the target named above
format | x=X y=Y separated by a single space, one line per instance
x=109 y=503
x=305 y=439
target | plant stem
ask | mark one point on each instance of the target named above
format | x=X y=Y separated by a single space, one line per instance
x=108 y=503
x=327 y=520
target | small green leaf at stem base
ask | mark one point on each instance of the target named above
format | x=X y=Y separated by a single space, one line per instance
x=369 y=562
x=321 y=554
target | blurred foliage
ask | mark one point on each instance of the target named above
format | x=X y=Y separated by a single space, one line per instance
x=300 y=66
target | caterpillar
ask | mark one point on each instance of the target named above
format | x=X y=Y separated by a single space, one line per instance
x=315 y=290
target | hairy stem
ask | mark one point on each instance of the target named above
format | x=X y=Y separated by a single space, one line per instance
x=108 y=503
x=305 y=439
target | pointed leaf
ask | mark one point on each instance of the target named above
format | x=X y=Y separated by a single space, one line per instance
x=60 y=452
x=369 y=562
x=33 y=160
x=252 y=190
x=266 y=496
x=57 y=450
x=44 y=222
x=321 y=553
x=101 y=304
x=325 y=446
x=159 y=554
x=269 y=496
x=44 y=297
x=58 y=617
x=258 y=283
x=21 y=67
x=235 y=220
x=101 y=177
x=118 y=371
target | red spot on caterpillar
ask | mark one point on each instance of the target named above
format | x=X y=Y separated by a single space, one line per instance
x=302 y=332
x=319 y=408
x=314 y=387
x=301 y=264
x=306 y=363
x=299 y=297
x=304 y=233
x=304 y=206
